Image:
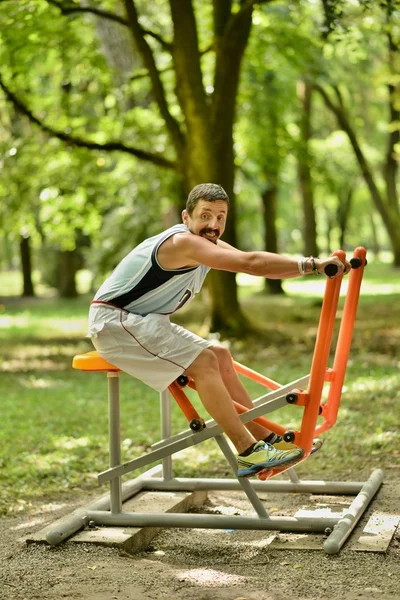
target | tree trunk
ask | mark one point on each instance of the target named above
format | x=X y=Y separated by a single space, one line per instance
x=232 y=33
x=274 y=286
x=345 y=199
x=8 y=254
x=26 y=265
x=328 y=226
x=226 y=314
x=207 y=155
x=69 y=265
x=391 y=162
x=304 y=172
x=376 y=248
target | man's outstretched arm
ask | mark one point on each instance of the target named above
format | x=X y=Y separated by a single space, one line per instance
x=193 y=249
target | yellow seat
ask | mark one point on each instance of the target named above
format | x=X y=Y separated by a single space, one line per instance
x=92 y=361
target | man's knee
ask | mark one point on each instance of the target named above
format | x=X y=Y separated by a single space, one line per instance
x=224 y=357
x=205 y=364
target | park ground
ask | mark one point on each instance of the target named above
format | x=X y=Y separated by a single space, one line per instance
x=54 y=443
x=183 y=564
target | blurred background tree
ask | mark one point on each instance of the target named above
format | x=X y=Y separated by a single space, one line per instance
x=111 y=111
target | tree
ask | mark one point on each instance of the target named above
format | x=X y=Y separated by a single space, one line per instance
x=16 y=193
x=264 y=148
x=273 y=125
x=337 y=99
x=304 y=166
x=195 y=96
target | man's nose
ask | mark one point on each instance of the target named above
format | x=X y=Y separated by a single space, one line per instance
x=214 y=223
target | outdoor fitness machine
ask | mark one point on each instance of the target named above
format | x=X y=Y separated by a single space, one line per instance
x=306 y=393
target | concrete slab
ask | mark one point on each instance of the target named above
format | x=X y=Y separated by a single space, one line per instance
x=298 y=541
x=320 y=506
x=373 y=533
x=131 y=539
x=377 y=533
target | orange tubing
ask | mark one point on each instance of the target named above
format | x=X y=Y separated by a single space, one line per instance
x=318 y=374
x=183 y=402
x=261 y=420
x=185 y=405
x=344 y=342
x=254 y=376
x=323 y=342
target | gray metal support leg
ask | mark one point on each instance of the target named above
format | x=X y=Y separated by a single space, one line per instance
x=115 y=439
x=245 y=483
x=356 y=509
x=165 y=412
x=292 y=475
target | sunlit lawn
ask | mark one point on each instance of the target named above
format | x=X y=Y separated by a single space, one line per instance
x=54 y=419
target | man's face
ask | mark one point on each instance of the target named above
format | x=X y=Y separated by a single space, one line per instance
x=207 y=219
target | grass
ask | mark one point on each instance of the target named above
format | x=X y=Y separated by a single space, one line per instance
x=54 y=419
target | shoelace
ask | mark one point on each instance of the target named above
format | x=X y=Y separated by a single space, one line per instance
x=268 y=447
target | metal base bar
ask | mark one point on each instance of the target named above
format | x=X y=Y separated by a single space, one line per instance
x=348 y=488
x=356 y=509
x=78 y=519
x=196 y=521
x=341 y=526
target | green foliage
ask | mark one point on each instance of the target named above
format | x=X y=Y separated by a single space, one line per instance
x=292 y=46
x=81 y=74
x=53 y=192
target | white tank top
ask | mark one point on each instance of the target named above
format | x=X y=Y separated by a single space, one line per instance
x=140 y=285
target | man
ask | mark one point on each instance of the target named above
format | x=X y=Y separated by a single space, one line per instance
x=130 y=327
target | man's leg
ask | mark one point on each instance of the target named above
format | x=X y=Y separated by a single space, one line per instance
x=239 y=394
x=215 y=397
x=253 y=456
x=236 y=389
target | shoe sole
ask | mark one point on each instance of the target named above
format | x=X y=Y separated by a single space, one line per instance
x=254 y=469
x=264 y=474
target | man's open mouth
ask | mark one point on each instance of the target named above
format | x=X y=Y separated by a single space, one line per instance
x=210 y=235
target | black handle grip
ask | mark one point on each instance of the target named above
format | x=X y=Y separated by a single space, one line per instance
x=355 y=262
x=331 y=270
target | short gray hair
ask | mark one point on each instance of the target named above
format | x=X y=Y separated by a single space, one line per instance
x=205 y=191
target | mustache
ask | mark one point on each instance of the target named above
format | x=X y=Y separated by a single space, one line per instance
x=208 y=230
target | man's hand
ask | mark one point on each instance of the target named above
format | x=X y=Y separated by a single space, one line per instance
x=321 y=263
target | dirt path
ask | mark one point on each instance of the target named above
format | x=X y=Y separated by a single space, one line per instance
x=189 y=564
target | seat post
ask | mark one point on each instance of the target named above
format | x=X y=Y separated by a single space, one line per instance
x=114 y=439
x=165 y=413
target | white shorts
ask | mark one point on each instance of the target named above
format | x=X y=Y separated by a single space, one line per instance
x=149 y=348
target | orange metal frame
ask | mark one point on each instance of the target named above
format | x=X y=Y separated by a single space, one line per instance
x=320 y=374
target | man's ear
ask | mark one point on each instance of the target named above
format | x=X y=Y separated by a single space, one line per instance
x=185 y=216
